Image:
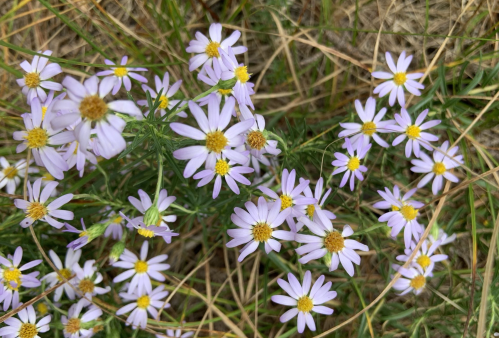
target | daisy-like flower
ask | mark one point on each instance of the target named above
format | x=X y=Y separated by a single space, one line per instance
x=12 y=277
x=371 y=125
x=37 y=74
x=141 y=269
x=66 y=270
x=39 y=137
x=438 y=167
x=216 y=140
x=351 y=164
x=314 y=209
x=11 y=175
x=77 y=325
x=417 y=137
x=256 y=139
x=86 y=101
x=49 y=100
x=389 y=196
x=176 y=333
x=208 y=48
x=141 y=304
x=122 y=74
x=304 y=300
x=26 y=326
x=42 y=308
x=87 y=278
x=37 y=209
x=258 y=226
x=115 y=228
x=167 y=92
x=226 y=169
x=149 y=231
x=82 y=235
x=442 y=237
x=242 y=89
x=327 y=240
x=211 y=76
x=415 y=279
x=398 y=79
x=425 y=256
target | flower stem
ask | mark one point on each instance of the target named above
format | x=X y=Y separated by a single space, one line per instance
x=160 y=178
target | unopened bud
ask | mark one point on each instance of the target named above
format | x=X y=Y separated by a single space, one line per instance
x=152 y=215
x=116 y=252
x=227 y=84
x=434 y=231
x=327 y=259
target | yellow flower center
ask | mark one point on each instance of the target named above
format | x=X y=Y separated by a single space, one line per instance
x=395 y=208
x=42 y=308
x=256 y=140
x=36 y=211
x=334 y=242
x=399 y=78
x=409 y=212
x=37 y=138
x=143 y=302
x=418 y=282
x=225 y=91
x=10 y=172
x=47 y=177
x=163 y=102
x=73 y=325
x=86 y=285
x=44 y=111
x=222 y=167
x=286 y=201
x=216 y=141
x=439 y=168
x=369 y=128
x=242 y=74
x=353 y=163
x=97 y=328
x=413 y=131
x=146 y=232
x=66 y=273
x=118 y=220
x=32 y=80
x=212 y=49
x=120 y=71
x=310 y=210
x=93 y=108
x=262 y=232
x=27 y=330
x=141 y=266
x=424 y=261
x=160 y=219
x=13 y=275
x=83 y=233
x=305 y=304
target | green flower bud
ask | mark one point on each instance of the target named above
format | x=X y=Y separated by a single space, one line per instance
x=327 y=259
x=96 y=230
x=89 y=325
x=116 y=252
x=434 y=231
x=227 y=84
x=152 y=216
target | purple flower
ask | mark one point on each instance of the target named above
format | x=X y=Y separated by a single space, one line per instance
x=389 y=197
x=86 y=280
x=242 y=89
x=166 y=93
x=122 y=74
x=82 y=239
x=425 y=257
x=10 y=175
x=26 y=325
x=313 y=210
x=211 y=76
x=150 y=231
x=115 y=228
x=351 y=164
x=415 y=279
x=76 y=326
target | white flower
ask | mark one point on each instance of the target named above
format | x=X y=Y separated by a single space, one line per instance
x=256 y=138
x=27 y=326
x=167 y=92
x=211 y=75
x=351 y=165
x=115 y=228
x=74 y=324
x=72 y=258
x=415 y=279
x=314 y=209
x=10 y=175
x=242 y=89
x=87 y=278
x=425 y=257
x=176 y=333
x=389 y=196
x=122 y=74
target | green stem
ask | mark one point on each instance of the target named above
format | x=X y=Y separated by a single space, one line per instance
x=160 y=178
x=200 y=96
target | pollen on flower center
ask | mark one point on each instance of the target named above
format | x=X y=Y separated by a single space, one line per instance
x=334 y=242
x=409 y=212
x=13 y=275
x=439 y=168
x=305 y=304
x=120 y=71
x=212 y=49
x=141 y=266
x=32 y=80
x=73 y=325
x=353 y=163
x=42 y=308
x=395 y=208
x=262 y=232
x=36 y=210
x=66 y=273
x=242 y=74
x=83 y=233
x=222 y=167
x=146 y=232
x=37 y=138
x=399 y=78
x=143 y=302
x=256 y=140
x=310 y=210
x=118 y=220
x=47 y=177
x=413 y=131
x=225 y=91
x=369 y=128
x=286 y=201
x=44 y=111
x=418 y=282
x=27 y=330
x=163 y=102
x=86 y=285
x=93 y=108
x=10 y=172
x=216 y=141
x=424 y=261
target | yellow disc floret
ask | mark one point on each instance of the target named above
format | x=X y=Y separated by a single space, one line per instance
x=163 y=102
x=141 y=266
x=120 y=71
x=395 y=208
x=222 y=167
x=27 y=330
x=225 y=91
x=305 y=304
x=36 y=210
x=12 y=276
x=242 y=74
x=334 y=242
x=37 y=138
x=353 y=163
x=32 y=80
x=413 y=132
x=439 y=168
x=310 y=210
x=73 y=325
x=143 y=302
x=66 y=273
x=42 y=308
x=212 y=49
x=286 y=201
x=146 y=233
x=93 y=108
x=369 y=128
x=418 y=282
x=262 y=232
x=86 y=285
x=409 y=212
x=216 y=141
x=10 y=172
x=44 y=111
x=424 y=261
x=399 y=78
x=256 y=140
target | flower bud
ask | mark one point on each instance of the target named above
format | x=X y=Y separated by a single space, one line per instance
x=434 y=231
x=327 y=259
x=227 y=84
x=152 y=215
x=116 y=252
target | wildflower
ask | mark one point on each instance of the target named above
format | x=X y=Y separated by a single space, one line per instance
x=242 y=89
x=415 y=279
x=257 y=138
x=398 y=80
x=37 y=74
x=122 y=74
x=257 y=226
x=42 y=308
x=73 y=154
x=166 y=93
x=40 y=136
x=87 y=102
x=87 y=278
x=115 y=227
x=443 y=161
x=76 y=326
x=49 y=100
x=176 y=333
x=442 y=237
x=425 y=257
x=141 y=269
x=116 y=251
x=352 y=165
x=26 y=326
x=389 y=197
x=206 y=49
x=141 y=304
x=212 y=76
x=10 y=175
x=37 y=209
x=314 y=209
x=223 y=169
x=304 y=300
x=66 y=270
x=216 y=141
x=371 y=125
x=12 y=277
x=417 y=137
x=149 y=231
x=83 y=237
